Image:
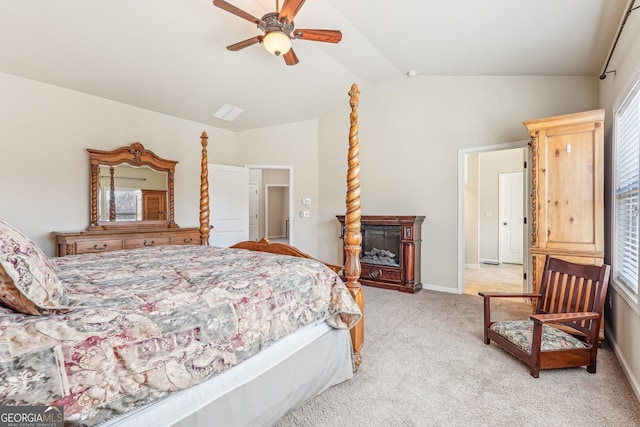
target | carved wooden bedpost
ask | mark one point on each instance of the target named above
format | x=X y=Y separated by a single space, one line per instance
x=205 y=228
x=112 y=194
x=353 y=236
x=95 y=172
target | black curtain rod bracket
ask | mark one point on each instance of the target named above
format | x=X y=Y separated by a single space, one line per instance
x=615 y=42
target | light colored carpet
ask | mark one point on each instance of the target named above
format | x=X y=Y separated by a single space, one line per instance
x=424 y=364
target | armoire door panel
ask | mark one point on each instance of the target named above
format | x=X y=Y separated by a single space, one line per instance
x=570 y=189
x=568 y=211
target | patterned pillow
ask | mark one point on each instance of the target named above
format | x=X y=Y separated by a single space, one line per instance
x=30 y=271
x=11 y=297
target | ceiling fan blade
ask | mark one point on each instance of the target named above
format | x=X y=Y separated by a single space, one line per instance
x=245 y=43
x=328 y=36
x=290 y=57
x=290 y=9
x=238 y=12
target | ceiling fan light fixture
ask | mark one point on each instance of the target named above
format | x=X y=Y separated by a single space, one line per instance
x=277 y=43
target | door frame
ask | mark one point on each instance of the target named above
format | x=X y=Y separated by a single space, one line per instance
x=462 y=153
x=291 y=219
x=254 y=185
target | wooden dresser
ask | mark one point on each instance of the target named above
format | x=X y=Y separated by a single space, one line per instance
x=111 y=240
x=132 y=204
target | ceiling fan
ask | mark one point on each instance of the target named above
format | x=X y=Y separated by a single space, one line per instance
x=279 y=30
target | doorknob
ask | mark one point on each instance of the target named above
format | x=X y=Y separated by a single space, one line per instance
x=504 y=223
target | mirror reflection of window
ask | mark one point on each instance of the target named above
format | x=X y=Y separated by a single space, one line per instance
x=130 y=183
x=128 y=205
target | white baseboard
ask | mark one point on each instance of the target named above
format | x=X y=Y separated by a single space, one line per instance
x=472 y=266
x=489 y=261
x=633 y=381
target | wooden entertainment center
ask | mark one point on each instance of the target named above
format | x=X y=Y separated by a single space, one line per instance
x=390 y=256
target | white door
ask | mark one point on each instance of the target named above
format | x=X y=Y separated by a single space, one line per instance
x=229 y=204
x=253 y=211
x=511 y=228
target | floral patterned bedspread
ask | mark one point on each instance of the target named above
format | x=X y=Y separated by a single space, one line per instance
x=144 y=323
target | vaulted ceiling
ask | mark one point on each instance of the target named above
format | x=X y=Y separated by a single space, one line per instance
x=170 y=56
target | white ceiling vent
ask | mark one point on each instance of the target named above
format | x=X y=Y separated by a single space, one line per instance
x=228 y=112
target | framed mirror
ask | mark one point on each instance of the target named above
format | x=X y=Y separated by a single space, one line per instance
x=131 y=187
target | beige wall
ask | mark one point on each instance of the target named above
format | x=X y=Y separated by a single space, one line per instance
x=293 y=145
x=622 y=322
x=410 y=131
x=44 y=172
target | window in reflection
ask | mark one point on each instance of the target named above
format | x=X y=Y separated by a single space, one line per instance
x=139 y=194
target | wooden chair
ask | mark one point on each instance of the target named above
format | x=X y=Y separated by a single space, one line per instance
x=571 y=299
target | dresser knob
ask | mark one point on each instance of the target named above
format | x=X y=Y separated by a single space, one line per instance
x=100 y=248
x=151 y=243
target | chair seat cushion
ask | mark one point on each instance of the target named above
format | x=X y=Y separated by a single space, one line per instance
x=520 y=333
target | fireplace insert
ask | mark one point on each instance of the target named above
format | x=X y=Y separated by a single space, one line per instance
x=381 y=245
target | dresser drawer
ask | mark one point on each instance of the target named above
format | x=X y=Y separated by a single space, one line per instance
x=185 y=239
x=142 y=242
x=101 y=245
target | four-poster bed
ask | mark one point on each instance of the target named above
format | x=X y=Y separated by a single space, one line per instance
x=177 y=333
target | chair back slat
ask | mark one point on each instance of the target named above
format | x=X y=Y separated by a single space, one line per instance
x=576 y=292
x=568 y=288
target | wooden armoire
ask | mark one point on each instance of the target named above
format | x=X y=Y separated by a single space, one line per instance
x=567 y=192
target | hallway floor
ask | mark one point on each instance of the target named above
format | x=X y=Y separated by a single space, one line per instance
x=493 y=278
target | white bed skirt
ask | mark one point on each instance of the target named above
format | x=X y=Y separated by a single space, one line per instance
x=260 y=390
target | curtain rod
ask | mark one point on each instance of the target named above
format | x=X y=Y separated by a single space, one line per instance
x=615 y=42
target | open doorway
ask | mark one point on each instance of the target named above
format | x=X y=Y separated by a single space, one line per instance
x=276 y=208
x=492 y=226
x=273 y=210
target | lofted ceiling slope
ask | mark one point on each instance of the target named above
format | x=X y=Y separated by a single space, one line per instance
x=169 y=56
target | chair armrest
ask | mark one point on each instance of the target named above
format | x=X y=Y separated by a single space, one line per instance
x=508 y=295
x=487 y=306
x=564 y=317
